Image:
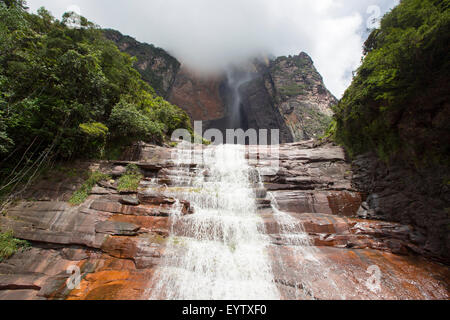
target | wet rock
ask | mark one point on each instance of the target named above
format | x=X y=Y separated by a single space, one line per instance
x=117 y=228
x=118 y=244
x=155 y=196
x=260 y=193
x=254 y=176
x=263 y=203
x=130 y=201
x=409 y=195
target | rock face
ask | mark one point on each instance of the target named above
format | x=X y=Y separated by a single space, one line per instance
x=116 y=241
x=407 y=195
x=286 y=93
x=301 y=96
x=155 y=65
x=200 y=97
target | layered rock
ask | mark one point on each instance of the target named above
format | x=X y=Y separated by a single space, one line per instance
x=319 y=247
x=409 y=195
x=316 y=193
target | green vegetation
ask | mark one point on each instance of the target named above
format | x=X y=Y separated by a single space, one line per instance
x=293 y=90
x=69 y=93
x=129 y=182
x=146 y=52
x=82 y=193
x=397 y=103
x=10 y=245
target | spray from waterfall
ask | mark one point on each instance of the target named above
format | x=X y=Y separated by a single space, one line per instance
x=220 y=251
x=236 y=79
x=223 y=251
x=309 y=269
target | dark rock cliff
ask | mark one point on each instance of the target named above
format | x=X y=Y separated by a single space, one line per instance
x=413 y=196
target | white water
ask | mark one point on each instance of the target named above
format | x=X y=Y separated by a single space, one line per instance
x=309 y=269
x=236 y=79
x=220 y=252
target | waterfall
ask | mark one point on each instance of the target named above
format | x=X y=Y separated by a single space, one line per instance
x=236 y=79
x=309 y=270
x=221 y=251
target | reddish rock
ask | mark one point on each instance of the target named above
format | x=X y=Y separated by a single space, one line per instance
x=319 y=251
x=198 y=96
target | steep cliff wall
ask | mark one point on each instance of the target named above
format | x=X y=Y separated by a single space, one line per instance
x=301 y=96
x=155 y=65
x=286 y=93
x=393 y=120
x=199 y=96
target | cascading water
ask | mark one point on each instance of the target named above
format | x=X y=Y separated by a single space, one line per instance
x=309 y=269
x=236 y=79
x=220 y=252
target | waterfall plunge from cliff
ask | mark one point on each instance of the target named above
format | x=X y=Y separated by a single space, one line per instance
x=236 y=79
x=221 y=251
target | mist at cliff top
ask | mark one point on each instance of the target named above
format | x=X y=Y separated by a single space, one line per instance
x=209 y=35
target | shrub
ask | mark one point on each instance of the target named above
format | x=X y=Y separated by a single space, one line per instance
x=96 y=134
x=128 y=121
x=10 y=245
x=129 y=182
x=82 y=193
x=396 y=104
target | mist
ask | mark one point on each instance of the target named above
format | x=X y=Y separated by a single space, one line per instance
x=210 y=35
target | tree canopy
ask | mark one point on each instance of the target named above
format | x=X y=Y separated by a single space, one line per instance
x=71 y=90
x=398 y=102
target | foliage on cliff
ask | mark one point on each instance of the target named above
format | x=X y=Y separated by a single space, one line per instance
x=70 y=90
x=398 y=102
x=154 y=64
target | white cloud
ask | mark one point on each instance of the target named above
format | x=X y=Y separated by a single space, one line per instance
x=208 y=35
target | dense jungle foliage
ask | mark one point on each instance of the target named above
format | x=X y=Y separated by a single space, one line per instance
x=398 y=102
x=67 y=92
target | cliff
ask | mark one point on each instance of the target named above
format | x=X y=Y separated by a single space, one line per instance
x=156 y=66
x=301 y=96
x=393 y=121
x=286 y=93
x=118 y=240
x=199 y=96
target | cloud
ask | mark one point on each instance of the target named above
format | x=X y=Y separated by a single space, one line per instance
x=208 y=35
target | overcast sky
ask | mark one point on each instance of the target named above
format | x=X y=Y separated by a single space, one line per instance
x=208 y=35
